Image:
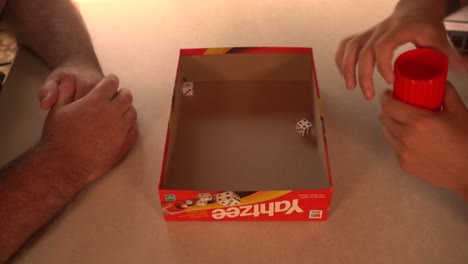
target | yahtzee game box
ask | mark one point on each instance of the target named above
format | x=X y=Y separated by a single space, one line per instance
x=246 y=138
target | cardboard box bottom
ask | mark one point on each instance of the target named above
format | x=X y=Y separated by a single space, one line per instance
x=236 y=131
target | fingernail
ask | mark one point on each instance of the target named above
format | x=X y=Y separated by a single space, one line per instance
x=368 y=94
x=366 y=90
x=113 y=77
x=350 y=85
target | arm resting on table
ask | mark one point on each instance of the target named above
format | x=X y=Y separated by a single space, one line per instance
x=32 y=190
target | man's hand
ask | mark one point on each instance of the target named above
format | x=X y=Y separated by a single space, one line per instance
x=417 y=21
x=430 y=145
x=87 y=76
x=91 y=134
x=81 y=141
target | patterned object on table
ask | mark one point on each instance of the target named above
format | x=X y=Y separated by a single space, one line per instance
x=8 y=49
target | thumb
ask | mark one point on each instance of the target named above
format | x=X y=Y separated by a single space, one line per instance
x=47 y=94
x=66 y=89
x=452 y=101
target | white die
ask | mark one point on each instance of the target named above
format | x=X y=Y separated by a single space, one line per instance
x=228 y=198
x=304 y=127
x=187 y=88
x=201 y=203
x=205 y=197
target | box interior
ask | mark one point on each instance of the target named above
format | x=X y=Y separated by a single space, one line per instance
x=238 y=130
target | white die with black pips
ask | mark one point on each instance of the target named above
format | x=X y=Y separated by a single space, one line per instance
x=203 y=199
x=201 y=203
x=187 y=88
x=304 y=127
x=228 y=198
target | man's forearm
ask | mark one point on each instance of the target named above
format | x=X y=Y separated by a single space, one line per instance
x=53 y=29
x=32 y=190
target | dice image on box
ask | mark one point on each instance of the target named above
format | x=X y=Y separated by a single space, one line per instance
x=228 y=198
x=304 y=127
x=205 y=197
x=201 y=203
x=176 y=206
x=187 y=88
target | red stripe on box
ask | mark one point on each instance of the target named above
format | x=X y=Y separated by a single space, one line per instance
x=250 y=50
x=192 y=52
x=270 y=50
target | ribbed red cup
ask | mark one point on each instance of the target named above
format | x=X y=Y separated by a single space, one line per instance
x=420 y=77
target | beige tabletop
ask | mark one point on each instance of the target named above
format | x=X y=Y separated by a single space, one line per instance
x=379 y=214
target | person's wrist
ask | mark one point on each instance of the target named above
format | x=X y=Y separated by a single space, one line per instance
x=67 y=179
x=90 y=63
x=428 y=8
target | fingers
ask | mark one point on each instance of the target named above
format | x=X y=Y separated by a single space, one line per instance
x=393 y=127
x=87 y=81
x=131 y=137
x=359 y=48
x=66 y=90
x=123 y=99
x=385 y=47
x=130 y=117
x=384 y=57
x=120 y=100
x=392 y=141
x=452 y=100
x=375 y=48
x=392 y=132
x=106 y=88
x=378 y=51
x=350 y=58
x=48 y=94
x=340 y=51
x=399 y=111
x=59 y=90
x=366 y=70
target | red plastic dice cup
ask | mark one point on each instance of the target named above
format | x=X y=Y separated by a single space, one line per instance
x=420 y=77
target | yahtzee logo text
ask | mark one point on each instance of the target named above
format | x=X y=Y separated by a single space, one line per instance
x=255 y=210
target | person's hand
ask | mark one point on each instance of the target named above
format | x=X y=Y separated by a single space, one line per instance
x=91 y=134
x=417 y=21
x=87 y=76
x=430 y=145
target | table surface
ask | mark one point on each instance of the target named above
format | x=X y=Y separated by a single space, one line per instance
x=379 y=214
